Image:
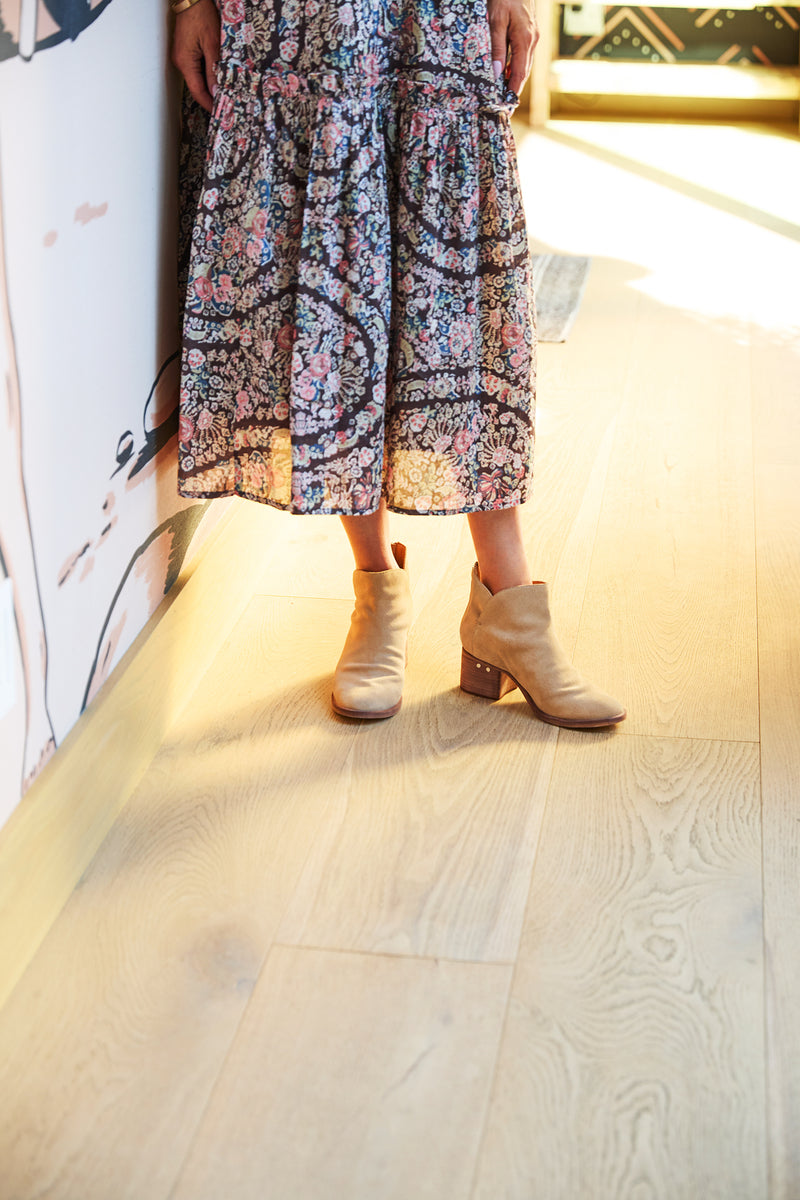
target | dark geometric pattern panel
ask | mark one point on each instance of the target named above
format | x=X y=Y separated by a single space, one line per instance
x=770 y=36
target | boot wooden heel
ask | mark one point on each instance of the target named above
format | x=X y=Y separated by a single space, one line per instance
x=482 y=679
x=512 y=629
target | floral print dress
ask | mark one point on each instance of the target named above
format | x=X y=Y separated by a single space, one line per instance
x=359 y=318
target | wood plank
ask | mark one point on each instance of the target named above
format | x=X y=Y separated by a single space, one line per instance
x=547 y=13
x=632 y=1061
x=112 y=1040
x=778 y=532
x=704 y=161
x=778 y=525
x=669 y=624
x=352 y=1075
x=53 y=833
x=775 y=380
x=429 y=850
x=315 y=560
x=730 y=81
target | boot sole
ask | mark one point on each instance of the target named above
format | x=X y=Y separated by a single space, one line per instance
x=492 y=683
x=361 y=715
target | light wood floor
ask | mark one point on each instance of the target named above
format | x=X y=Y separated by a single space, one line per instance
x=459 y=954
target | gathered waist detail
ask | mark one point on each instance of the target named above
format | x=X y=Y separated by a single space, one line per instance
x=367 y=88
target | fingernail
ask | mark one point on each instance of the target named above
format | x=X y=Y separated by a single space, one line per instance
x=213 y=89
x=497 y=67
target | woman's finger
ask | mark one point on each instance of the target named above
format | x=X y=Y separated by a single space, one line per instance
x=194 y=72
x=212 y=62
x=498 y=28
x=523 y=36
x=196 y=49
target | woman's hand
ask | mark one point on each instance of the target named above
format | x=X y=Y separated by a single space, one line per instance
x=195 y=50
x=514 y=29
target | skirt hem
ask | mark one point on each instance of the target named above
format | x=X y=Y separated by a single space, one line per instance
x=339 y=512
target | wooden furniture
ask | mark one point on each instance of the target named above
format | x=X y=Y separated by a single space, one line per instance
x=678 y=87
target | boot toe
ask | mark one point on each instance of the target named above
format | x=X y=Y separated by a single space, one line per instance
x=365 y=694
x=367 y=700
x=594 y=711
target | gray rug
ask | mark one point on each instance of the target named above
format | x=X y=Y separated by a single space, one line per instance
x=558 y=283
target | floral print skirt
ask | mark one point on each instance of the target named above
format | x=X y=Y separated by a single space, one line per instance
x=359 y=318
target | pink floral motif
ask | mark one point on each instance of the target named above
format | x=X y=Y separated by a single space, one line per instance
x=226 y=113
x=285 y=337
x=419 y=124
x=224 y=289
x=204 y=288
x=232 y=242
x=359 y=315
x=319 y=365
x=460 y=338
x=233 y=11
x=512 y=334
x=331 y=136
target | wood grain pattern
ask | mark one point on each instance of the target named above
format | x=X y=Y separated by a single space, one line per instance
x=580 y=390
x=159 y=1025
x=632 y=1060
x=64 y=817
x=431 y=848
x=778 y=524
x=353 y=1075
x=669 y=620
x=113 y=1038
x=782 y=955
x=775 y=382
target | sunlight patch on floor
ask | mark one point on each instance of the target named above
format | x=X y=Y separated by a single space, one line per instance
x=738 y=161
x=686 y=250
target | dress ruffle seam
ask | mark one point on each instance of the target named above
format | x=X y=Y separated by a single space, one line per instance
x=422 y=88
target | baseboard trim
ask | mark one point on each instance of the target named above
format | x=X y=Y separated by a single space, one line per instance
x=56 y=829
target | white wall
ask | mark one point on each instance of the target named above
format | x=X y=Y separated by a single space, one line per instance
x=91 y=527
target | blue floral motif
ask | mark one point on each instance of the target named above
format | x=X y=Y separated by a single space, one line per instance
x=359 y=316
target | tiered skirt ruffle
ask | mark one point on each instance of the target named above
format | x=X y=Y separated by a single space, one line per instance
x=359 y=317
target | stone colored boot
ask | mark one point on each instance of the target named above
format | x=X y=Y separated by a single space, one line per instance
x=508 y=642
x=368 y=682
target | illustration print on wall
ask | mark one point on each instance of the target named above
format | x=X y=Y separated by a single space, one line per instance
x=92 y=530
x=27 y=26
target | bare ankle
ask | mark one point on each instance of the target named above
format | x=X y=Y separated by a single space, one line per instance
x=376 y=563
x=498 y=581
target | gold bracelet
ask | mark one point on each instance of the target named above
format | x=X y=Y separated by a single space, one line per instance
x=182 y=5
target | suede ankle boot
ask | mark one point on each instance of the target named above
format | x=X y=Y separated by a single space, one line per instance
x=508 y=642
x=368 y=682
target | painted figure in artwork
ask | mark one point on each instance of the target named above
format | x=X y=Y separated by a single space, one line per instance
x=134 y=476
x=16 y=550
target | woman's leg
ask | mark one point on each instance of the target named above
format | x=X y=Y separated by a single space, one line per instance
x=508 y=637
x=368 y=681
x=497 y=537
x=369 y=540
